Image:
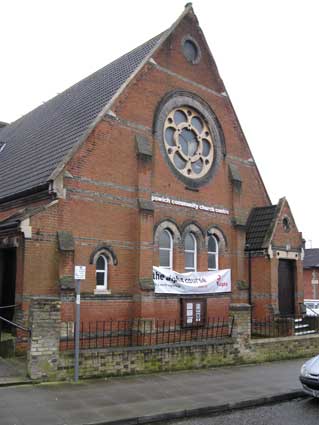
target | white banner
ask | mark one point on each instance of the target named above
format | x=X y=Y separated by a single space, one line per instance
x=169 y=282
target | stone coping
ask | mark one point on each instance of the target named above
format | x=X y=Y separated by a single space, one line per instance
x=256 y=341
x=221 y=341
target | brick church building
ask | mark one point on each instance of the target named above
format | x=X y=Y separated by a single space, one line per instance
x=142 y=164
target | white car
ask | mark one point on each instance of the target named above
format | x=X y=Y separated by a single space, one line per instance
x=309 y=377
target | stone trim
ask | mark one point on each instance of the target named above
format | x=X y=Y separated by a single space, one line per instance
x=146 y=205
x=143 y=147
x=187 y=80
x=106 y=250
x=175 y=99
x=65 y=241
x=67 y=282
x=188 y=37
x=235 y=177
x=222 y=241
x=239 y=307
x=112 y=185
x=196 y=230
x=170 y=225
x=146 y=284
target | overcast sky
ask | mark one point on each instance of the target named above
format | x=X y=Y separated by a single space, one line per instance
x=266 y=52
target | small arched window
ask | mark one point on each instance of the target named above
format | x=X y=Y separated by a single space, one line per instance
x=166 y=249
x=190 y=253
x=101 y=273
x=212 y=253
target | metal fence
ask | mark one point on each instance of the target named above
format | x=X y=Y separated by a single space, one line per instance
x=274 y=327
x=9 y=329
x=134 y=333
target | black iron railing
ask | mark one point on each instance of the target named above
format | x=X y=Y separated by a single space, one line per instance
x=10 y=329
x=270 y=327
x=133 y=333
x=283 y=326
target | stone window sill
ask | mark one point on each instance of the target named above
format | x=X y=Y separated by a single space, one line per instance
x=102 y=292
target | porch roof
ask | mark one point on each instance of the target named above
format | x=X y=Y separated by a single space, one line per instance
x=311 y=258
x=259 y=226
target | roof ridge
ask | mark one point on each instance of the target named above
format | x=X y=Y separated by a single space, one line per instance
x=64 y=92
x=159 y=41
x=40 y=143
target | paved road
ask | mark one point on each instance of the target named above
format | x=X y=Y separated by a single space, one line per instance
x=297 y=412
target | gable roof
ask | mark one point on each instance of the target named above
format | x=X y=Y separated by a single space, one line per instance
x=259 y=226
x=37 y=142
x=311 y=258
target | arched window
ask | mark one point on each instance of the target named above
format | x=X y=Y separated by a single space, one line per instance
x=190 y=253
x=101 y=273
x=212 y=253
x=166 y=249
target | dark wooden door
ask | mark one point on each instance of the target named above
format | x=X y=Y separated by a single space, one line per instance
x=7 y=281
x=286 y=287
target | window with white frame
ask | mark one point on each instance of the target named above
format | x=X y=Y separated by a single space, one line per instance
x=101 y=273
x=212 y=253
x=190 y=253
x=166 y=249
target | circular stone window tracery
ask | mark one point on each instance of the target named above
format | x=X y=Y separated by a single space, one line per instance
x=188 y=142
x=190 y=137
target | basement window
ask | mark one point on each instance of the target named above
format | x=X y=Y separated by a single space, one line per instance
x=2 y=146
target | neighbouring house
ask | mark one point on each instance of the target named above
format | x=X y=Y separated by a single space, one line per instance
x=311 y=273
x=142 y=164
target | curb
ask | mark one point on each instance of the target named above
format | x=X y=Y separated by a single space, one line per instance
x=14 y=383
x=205 y=411
x=8 y=383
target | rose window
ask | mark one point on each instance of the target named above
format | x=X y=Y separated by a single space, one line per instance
x=188 y=142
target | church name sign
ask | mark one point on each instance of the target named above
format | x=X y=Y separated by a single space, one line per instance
x=193 y=205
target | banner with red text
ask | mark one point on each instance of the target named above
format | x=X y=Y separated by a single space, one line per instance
x=169 y=282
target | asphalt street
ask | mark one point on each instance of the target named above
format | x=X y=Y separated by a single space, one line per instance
x=297 y=412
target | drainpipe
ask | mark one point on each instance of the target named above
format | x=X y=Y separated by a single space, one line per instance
x=247 y=248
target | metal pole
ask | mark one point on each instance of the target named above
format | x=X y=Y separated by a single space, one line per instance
x=77 y=330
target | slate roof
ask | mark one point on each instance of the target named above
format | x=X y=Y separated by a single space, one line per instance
x=311 y=258
x=38 y=142
x=259 y=226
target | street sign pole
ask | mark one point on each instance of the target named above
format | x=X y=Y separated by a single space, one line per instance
x=79 y=274
x=77 y=330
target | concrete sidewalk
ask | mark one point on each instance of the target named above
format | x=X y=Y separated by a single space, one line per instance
x=143 y=399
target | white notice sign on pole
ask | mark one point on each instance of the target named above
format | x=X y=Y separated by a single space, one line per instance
x=79 y=272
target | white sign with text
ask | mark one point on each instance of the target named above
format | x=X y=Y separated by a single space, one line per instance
x=169 y=282
x=79 y=272
x=187 y=204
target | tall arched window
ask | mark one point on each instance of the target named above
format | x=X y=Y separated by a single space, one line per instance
x=101 y=273
x=166 y=249
x=212 y=253
x=190 y=253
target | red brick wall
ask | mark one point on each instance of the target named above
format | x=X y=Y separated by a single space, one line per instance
x=105 y=177
x=307 y=277
x=262 y=291
x=281 y=237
